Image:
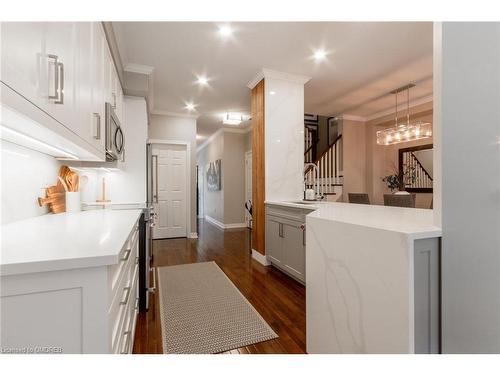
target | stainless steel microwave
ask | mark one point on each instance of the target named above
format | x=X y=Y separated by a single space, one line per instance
x=115 y=140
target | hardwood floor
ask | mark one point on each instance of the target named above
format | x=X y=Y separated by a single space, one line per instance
x=278 y=298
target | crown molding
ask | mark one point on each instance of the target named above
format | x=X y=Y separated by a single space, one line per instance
x=352 y=118
x=269 y=73
x=138 y=68
x=389 y=111
x=173 y=114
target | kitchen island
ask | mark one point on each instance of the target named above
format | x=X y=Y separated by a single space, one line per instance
x=372 y=280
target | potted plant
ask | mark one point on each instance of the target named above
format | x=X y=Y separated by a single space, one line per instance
x=397 y=181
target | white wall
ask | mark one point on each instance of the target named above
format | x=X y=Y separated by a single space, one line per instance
x=213 y=200
x=284 y=138
x=353 y=158
x=469 y=110
x=183 y=129
x=227 y=204
x=25 y=173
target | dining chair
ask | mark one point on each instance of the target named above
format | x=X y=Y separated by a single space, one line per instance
x=359 y=198
x=400 y=200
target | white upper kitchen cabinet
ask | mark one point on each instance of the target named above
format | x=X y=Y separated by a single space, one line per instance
x=65 y=70
x=24 y=64
x=90 y=83
x=61 y=51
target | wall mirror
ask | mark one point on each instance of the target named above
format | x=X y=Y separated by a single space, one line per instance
x=416 y=169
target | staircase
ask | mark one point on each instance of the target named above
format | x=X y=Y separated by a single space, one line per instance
x=329 y=165
x=418 y=177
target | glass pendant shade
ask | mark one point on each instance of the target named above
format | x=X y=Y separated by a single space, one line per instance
x=404 y=133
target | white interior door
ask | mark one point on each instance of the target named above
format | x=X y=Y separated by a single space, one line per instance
x=248 y=184
x=170 y=188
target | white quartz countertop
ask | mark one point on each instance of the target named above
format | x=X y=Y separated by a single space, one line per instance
x=65 y=241
x=310 y=205
x=417 y=223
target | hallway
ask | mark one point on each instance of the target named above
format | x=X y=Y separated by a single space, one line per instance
x=279 y=299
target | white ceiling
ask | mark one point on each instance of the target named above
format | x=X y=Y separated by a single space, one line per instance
x=366 y=60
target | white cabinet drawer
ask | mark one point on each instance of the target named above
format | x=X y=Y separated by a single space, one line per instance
x=128 y=254
x=123 y=337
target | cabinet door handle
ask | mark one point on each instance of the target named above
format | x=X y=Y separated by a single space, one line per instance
x=97 y=116
x=114 y=100
x=281 y=230
x=127 y=295
x=61 y=84
x=56 y=77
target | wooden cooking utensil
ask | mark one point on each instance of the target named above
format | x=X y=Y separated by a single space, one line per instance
x=63 y=171
x=73 y=181
x=63 y=183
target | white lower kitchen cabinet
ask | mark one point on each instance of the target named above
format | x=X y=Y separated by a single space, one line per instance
x=285 y=239
x=74 y=310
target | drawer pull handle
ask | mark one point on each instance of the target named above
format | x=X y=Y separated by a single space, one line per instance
x=127 y=295
x=136 y=304
x=127 y=255
x=127 y=342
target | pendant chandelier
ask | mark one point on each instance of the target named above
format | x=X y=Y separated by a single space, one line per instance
x=404 y=132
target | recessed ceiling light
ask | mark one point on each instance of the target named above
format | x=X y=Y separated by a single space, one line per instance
x=190 y=106
x=225 y=31
x=272 y=92
x=319 y=54
x=202 y=80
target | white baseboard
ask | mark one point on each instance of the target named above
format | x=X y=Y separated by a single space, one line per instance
x=193 y=235
x=235 y=225
x=224 y=226
x=260 y=258
x=215 y=222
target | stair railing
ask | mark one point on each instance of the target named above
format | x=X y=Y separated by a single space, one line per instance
x=330 y=169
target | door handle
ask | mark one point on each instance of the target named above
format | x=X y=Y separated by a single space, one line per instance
x=153 y=288
x=155 y=196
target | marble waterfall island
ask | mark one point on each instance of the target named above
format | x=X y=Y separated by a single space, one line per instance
x=372 y=280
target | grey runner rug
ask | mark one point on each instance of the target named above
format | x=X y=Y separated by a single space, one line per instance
x=202 y=311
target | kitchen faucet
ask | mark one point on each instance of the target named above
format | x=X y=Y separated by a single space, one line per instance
x=316 y=178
